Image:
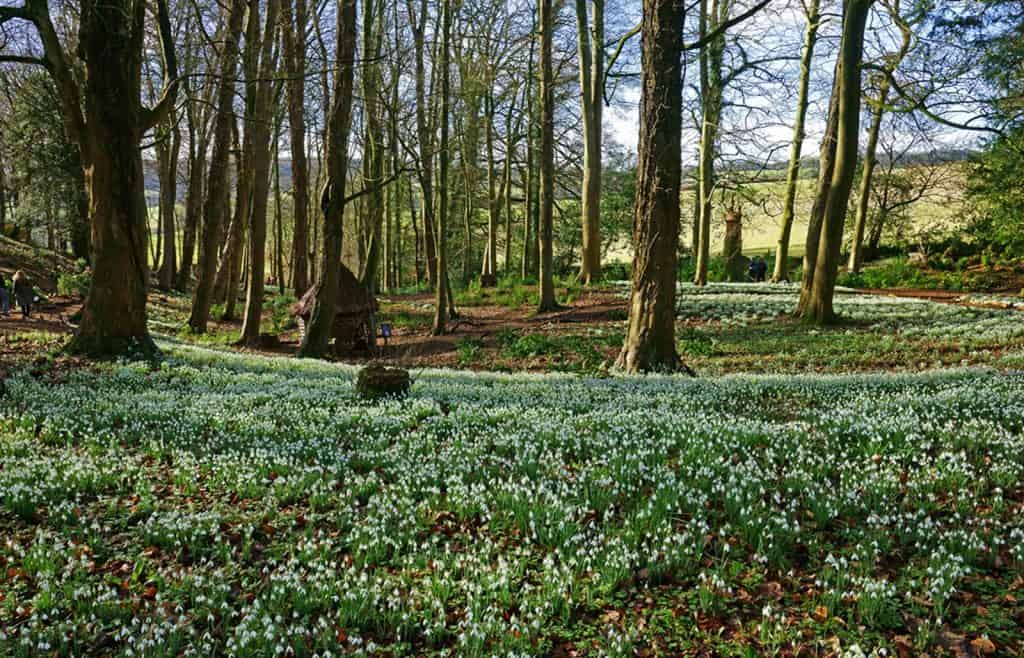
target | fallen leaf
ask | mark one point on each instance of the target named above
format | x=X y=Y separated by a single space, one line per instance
x=611 y=616
x=904 y=646
x=983 y=645
x=770 y=589
x=820 y=613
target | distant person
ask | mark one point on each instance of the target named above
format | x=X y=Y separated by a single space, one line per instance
x=5 y=298
x=23 y=293
x=758 y=269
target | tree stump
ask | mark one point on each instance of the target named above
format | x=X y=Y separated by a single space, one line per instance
x=732 y=247
x=375 y=382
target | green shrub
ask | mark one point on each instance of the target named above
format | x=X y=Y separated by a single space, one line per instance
x=77 y=282
x=281 y=318
x=470 y=349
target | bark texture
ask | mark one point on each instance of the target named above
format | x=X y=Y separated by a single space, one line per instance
x=650 y=339
x=819 y=304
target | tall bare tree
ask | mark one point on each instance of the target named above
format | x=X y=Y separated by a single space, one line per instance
x=293 y=51
x=332 y=197
x=546 y=285
x=264 y=100
x=441 y=300
x=591 y=64
x=215 y=205
x=650 y=342
x=818 y=307
x=812 y=11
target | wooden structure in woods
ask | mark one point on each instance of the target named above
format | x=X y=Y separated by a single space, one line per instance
x=354 y=315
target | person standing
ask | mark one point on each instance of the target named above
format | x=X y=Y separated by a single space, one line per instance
x=23 y=293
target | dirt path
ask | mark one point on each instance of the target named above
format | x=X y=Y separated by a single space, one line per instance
x=941 y=296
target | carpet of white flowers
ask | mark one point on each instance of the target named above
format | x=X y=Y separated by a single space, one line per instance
x=758 y=303
x=228 y=505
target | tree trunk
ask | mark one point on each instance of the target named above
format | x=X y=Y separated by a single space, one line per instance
x=278 y=220
x=732 y=246
x=863 y=201
x=711 y=101
x=110 y=44
x=260 y=130
x=417 y=252
x=3 y=195
x=424 y=134
x=819 y=306
x=781 y=272
x=441 y=300
x=215 y=205
x=168 y=201
x=81 y=230
x=193 y=200
x=510 y=148
x=293 y=51
x=591 y=63
x=650 y=339
x=826 y=164
x=332 y=198
x=546 y=290
x=373 y=142
x=530 y=207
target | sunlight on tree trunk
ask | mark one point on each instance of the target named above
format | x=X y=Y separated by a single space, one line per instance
x=650 y=343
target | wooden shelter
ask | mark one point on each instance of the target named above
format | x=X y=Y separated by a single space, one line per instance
x=354 y=315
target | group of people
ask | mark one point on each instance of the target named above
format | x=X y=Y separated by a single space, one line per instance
x=757 y=270
x=21 y=290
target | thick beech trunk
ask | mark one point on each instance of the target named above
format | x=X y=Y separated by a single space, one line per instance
x=650 y=340
x=108 y=133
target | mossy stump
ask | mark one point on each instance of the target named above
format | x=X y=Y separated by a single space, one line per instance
x=375 y=382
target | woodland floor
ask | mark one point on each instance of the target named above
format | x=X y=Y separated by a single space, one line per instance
x=494 y=332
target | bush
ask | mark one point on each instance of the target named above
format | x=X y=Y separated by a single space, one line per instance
x=77 y=282
x=619 y=271
x=470 y=349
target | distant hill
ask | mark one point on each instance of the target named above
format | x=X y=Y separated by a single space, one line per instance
x=149 y=170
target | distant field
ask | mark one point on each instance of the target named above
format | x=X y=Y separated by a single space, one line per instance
x=762 y=217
